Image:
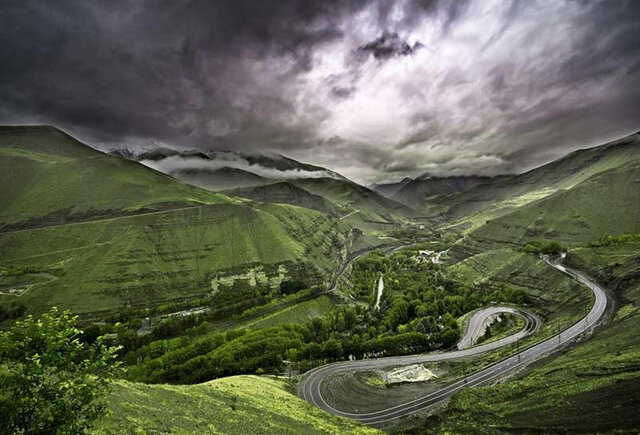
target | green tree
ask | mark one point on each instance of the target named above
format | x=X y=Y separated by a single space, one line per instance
x=52 y=382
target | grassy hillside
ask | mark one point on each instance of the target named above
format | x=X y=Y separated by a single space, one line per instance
x=47 y=175
x=299 y=313
x=94 y=232
x=235 y=405
x=594 y=387
x=219 y=179
x=473 y=207
x=353 y=197
x=285 y=193
x=606 y=203
x=101 y=265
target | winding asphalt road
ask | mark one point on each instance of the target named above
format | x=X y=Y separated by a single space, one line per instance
x=310 y=384
x=476 y=325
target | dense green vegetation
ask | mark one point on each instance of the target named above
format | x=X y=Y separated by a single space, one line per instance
x=417 y=314
x=547 y=247
x=11 y=310
x=52 y=381
x=622 y=239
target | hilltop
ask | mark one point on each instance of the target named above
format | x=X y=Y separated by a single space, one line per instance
x=234 y=405
x=45 y=173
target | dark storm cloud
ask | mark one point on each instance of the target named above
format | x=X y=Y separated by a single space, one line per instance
x=370 y=88
x=390 y=45
x=158 y=68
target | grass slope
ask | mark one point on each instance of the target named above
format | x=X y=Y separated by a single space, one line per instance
x=45 y=172
x=94 y=232
x=471 y=208
x=144 y=259
x=285 y=193
x=607 y=203
x=351 y=197
x=235 y=405
x=299 y=313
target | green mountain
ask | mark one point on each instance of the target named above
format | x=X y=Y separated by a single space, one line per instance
x=219 y=179
x=96 y=232
x=473 y=207
x=607 y=203
x=589 y=194
x=48 y=175
x=415 y=192
x=354 y=198
x=285 y=193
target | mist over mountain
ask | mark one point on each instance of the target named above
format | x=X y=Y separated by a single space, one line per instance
x=222 y=170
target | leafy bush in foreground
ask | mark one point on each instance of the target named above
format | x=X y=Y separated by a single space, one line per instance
x=51 y=381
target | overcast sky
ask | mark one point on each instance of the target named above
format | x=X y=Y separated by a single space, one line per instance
x=375 y=90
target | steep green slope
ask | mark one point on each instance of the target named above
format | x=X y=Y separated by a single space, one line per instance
x=219 y=179
x=285 y=193
x=353 y=197
x=93 y=232
x=235 y=405
x=46 y=174
x=607 y=203
x=101 y=265
x=473 y=207
x=592 y=388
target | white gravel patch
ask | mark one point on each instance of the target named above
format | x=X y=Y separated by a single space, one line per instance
x=413 y=373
